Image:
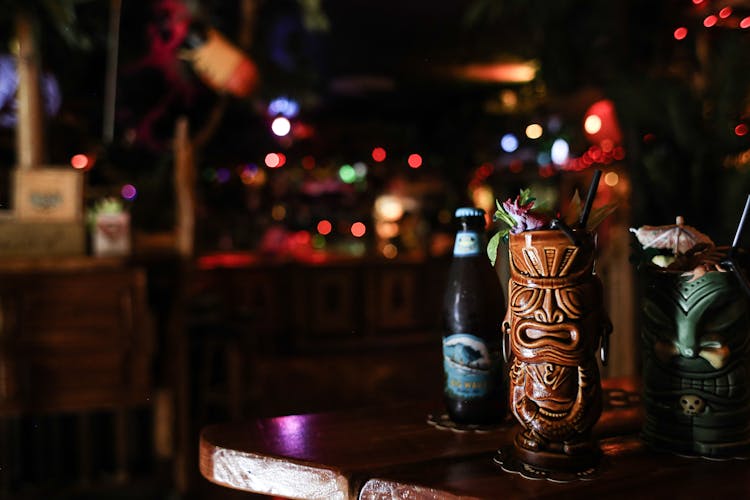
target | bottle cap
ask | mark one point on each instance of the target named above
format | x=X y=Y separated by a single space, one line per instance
x=469 y=212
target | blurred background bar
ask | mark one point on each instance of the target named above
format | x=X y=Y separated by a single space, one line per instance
x=216 y=210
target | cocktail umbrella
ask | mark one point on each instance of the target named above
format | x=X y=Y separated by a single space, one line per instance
x=678 y=237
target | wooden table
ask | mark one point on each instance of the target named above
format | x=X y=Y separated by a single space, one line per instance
x=391 y=452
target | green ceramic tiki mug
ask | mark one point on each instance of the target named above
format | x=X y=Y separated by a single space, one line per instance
x=695 y=332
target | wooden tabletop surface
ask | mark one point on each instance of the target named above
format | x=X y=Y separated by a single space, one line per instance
x=386 y=452
x=392 y=453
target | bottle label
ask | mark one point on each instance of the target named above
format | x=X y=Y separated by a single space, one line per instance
x=467 y=244
x=469 y=371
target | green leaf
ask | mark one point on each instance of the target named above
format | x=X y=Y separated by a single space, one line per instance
x=525 y=197
x=492 y=248
x=494 y=242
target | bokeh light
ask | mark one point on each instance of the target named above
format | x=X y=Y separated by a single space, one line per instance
x=347 y=174
x=281 y=126
x=388 y=207
x=129 y=192
x=710 y=21
x=534 y=131
x=378 y=154
x=272 y=160
x=390 y=251
x=592 y=124
x=360 y=170
x=611 y=179
x=358 y=229
x=283 y=106
x=79 y=161
x=278 y=212
x=509 y=143
x=680 y=33
x=741 y=130
x=415 y=160
x=325 y=227
x=560 y=151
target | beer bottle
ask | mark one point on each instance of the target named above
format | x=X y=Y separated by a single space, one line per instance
x=473 y=311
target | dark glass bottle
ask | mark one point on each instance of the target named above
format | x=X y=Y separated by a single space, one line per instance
x=473 y=311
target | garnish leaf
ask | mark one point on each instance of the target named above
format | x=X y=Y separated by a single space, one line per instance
x=574 y=210
x=599 y=214
x=492 y=247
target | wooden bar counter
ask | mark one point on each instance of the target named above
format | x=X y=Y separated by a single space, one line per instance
x=391 y=452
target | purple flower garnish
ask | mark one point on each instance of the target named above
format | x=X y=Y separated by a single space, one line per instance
x=525 y=219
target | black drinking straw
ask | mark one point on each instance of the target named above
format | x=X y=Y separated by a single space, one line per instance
x=589 y=200
x=730 y=260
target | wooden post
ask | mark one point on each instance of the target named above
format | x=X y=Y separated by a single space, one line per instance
x=29 y=133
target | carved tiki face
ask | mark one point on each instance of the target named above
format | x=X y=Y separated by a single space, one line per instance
x=554 y=320
x=695 y=335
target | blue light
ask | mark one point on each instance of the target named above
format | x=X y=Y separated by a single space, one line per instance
x=283 y=106
x=509 y=143
x=560 y=151
x=543 y=158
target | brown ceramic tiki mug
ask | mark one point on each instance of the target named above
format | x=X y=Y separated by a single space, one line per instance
x=554 y=326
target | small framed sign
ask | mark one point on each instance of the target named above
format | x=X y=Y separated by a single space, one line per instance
x=48 y=194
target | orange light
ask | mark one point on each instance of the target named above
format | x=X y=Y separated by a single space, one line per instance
x=592 y=124
x=680 y=33
x=325 y=227
x=502 y=72
x=725 y=12
x=390 y=251
x=378 y=154
x=534 y=131
x=358 y=229
x=611 y=179
x=710 y=21
x=415 y=160
x=79 y=161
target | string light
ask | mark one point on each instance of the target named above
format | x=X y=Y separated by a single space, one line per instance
x=378 y=154
x=79 y=161
x=534 y=131
x=415 y=160
x=680 y=33
x=710 y=21
x=272 y=160
x=358 y=229
x=325 y=227
x=281 y=126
